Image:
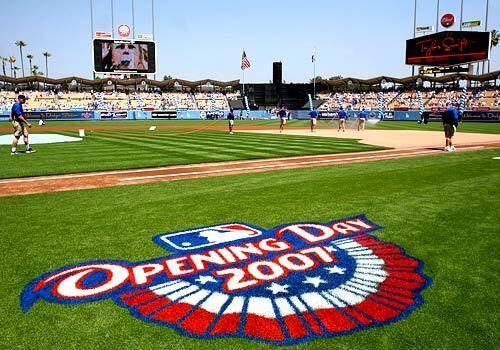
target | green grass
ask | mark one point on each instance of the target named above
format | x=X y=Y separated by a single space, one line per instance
x=485 y=128
x=125 y=149
x=442 y=209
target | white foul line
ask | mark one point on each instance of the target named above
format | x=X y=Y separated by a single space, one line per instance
x=216 y=164
x=274 y=166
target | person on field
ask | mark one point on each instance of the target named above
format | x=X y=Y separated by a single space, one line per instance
x=313 y=114
x=230 y=121
x=450 y=123
x=361 y=119
x=282 y=114
x=342 y=118
x=20 y=125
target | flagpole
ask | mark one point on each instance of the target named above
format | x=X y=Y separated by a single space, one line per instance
x=243 y=72
x=314 y=79
x=314 y=74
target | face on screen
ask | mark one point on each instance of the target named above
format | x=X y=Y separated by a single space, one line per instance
x=126 y=56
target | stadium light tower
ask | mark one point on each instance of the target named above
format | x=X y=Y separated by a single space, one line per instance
x=153 y=24
x=112 y=19
x=133 y=20
x=486 y=29
x=92 y=29
x=414 y=31
x=461 y=13
x=437 y=17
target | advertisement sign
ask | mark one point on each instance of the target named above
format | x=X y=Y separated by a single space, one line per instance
x=103 y=35
x=47 y=115
x=114 y=115
x=471 y=24
x=123 y=30
x=448 y=20
x=164 y=114
x=424 y=29
x=448 y=48
x=144 y=36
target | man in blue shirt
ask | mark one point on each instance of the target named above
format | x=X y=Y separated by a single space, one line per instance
x=342 y=118
x=20 y=125
x=314 y=118
x=450 y=123
x=230 y=120
x=362 y=119
x=282 y=113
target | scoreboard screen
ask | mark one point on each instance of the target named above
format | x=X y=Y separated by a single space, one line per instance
x=448 y=48
x=124 y=56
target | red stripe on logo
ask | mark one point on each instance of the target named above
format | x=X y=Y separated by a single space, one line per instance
x=198 y=322
x=295 y=327
x=140 y=299
x=227 y=324
x=358 y=316
x=172 y=313
x=152 y=306
x=262 y=327
x=376 y=311
x=334 y=321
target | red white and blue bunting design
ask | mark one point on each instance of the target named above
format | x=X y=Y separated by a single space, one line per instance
x=290 y=284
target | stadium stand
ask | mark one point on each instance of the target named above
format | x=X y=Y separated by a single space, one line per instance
x=208 y=101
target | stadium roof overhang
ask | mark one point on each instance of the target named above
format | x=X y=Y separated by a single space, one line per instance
x=345 y=82
x=339 y=83
x=121 y=82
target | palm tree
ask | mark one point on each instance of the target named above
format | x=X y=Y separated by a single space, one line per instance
x=15 y=71
x=30 y=58
x=34 y=70
x=21 y=44
x=47 y=55
x=3 y=59
x=11 y=60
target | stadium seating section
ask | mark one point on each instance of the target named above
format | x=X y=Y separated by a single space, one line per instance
x=112 y=101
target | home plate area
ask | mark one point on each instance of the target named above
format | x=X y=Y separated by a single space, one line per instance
x=290 y=284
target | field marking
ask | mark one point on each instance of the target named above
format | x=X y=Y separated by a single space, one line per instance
x=385 y=156
x=385 y=153
x=173 y=167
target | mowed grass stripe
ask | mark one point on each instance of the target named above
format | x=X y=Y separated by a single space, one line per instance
x=216 y=145
x=104 y=150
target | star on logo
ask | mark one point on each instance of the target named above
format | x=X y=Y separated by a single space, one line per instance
x=335 y=269
x=278 y=288
x=315 y=281
x=205 y=279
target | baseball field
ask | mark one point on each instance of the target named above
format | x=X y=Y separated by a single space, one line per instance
x=92 y=200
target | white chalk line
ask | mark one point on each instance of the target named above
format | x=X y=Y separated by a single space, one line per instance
x=386 y=156
x=216 y=164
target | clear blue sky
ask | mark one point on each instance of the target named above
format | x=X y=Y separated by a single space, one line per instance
x=204 y=39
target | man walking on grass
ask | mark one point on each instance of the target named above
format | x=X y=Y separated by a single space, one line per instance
x=450 y=123
x=20 y=125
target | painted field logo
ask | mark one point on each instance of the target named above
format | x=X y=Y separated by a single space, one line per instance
x=289 y=284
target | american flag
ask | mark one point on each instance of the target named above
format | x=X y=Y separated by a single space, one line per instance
x=245 y=63
x=313 y=58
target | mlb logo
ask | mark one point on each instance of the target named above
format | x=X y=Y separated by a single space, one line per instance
x=207 y=236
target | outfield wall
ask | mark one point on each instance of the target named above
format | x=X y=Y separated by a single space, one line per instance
x=388 y=115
